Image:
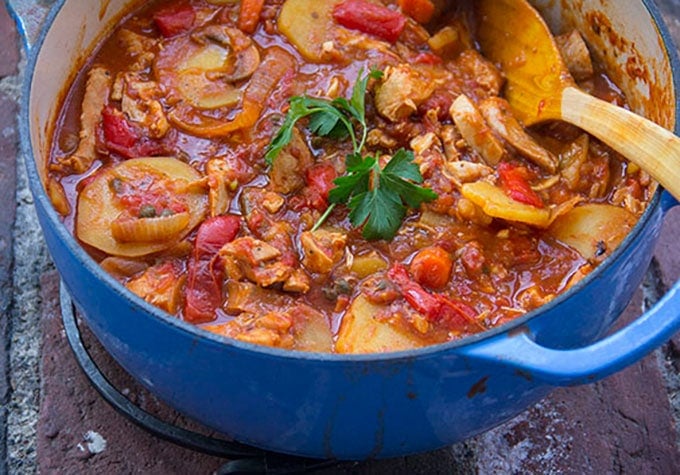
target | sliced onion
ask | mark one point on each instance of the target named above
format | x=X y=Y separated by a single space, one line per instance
x=277 y=63
x=164 y=228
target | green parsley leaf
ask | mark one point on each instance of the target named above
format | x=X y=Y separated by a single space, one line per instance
x=396 y=175
x=325 y=120
x=380 y=211
x=378 y=198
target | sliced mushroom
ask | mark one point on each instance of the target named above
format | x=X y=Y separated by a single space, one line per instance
x=204 y=69
x=241 y=59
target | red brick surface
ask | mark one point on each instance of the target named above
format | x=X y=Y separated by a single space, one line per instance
x=71 y=409
x=9 y=50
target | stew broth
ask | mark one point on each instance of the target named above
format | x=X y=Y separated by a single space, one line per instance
x=165 y=166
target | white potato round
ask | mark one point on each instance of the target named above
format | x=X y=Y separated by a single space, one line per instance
x=98 y=207
x=594 y=230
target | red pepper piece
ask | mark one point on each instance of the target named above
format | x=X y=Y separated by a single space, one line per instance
x=516 y=186
x=370 y=18
x=175 y=19
x=428 y=58
x=434 y=307
x=320 y=182
x=204 y=281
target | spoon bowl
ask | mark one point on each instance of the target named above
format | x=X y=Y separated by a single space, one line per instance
x=540 y=88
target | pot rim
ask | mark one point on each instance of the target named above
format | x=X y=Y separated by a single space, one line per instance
x=83 y=258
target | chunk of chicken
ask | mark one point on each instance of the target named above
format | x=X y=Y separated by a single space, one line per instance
x=428 y=152
x=576 y=55
x=220 y=185
x=268 y=329
x=249 y=298
x=97 y=90
x=255 y=259
x=379 y=139
x=450 y=139
x=322 y=249
x=481 y=72
x=462 y=172
x=287 y=173
x=300 y=327
x=572 y=159
x=160 y=285
x=297 y=282
x=140 y=103
x=497 y=113
x=137 y=46
x=475 y=130
x=402 y=90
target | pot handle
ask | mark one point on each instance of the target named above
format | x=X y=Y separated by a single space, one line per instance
x=594 y=362
x=29 y=16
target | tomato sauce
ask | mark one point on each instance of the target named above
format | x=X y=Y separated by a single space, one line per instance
x=398 y=211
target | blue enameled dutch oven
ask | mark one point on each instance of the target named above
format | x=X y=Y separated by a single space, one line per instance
x=383 y=405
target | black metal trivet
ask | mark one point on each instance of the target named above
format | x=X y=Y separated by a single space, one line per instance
x=242 y=458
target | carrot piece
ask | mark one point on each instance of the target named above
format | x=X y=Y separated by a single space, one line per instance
x=431 y=267
x=249 y=15
x=420 y=10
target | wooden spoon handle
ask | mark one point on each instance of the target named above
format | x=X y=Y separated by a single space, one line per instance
x=653 y=148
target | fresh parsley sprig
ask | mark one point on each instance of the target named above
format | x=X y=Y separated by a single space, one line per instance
x=376 y=197
x=326 y=118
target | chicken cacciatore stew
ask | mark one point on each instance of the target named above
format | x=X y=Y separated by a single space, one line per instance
x=330 y=175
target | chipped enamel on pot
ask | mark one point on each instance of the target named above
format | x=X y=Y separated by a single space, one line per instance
x=383 y=405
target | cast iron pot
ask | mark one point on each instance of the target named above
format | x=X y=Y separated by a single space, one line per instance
x=383 y=405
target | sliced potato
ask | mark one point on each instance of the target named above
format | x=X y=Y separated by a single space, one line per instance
x=210 y=57
x=308 y=24
x=594 y=230
x=98 y=207
x=312 y=330
x=203 y=70
x=368 y=264
x=497 y=204
x=360 y=332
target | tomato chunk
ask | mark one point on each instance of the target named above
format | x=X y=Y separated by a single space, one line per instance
x=175 y=19
x=118 y=135
x=204 y=282
x=435 y=307
x=370 y=18
x=319 y=183
x=516 y=186
x=117 y=130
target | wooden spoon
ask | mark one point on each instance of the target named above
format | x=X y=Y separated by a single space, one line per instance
x=539 y=88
